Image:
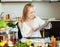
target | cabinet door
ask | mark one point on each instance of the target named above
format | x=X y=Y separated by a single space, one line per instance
x=46 y=0
x=40 y=0
x=16 y=0
x=54 y=0
x=37 y=0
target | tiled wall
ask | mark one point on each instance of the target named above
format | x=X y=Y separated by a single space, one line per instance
x=44 y=10
x=0 y=8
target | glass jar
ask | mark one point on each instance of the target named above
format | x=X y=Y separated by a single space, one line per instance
x=7 y=16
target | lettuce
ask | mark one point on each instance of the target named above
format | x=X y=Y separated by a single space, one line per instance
x=3 y=24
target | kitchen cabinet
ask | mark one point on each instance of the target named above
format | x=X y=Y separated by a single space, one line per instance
x=56 y=28
x=45 y=0
x=22 y=1
x=54 y=31
x=16 y=0
x=54 y=0
x=40 y=0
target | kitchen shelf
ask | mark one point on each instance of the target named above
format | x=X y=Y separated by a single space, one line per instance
x=54 y=1
x=15 y=1
x=27 y=1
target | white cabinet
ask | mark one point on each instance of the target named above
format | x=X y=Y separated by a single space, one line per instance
x=40 y=0
x=22 y=0
x=54 y=0
x=26 y=0
x=37 y=0
x=46 y=0
x=16 y=0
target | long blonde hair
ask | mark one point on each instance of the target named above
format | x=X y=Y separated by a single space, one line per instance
x=25 y=11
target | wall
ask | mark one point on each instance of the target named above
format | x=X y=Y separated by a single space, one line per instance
x=0 y=8
x=44 y=10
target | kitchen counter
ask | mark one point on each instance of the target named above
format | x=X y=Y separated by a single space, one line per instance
x=7 y=31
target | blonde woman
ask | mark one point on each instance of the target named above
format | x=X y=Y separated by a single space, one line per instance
x=30 y=22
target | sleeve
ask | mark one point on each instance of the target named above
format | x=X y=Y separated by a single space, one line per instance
x=49 y=26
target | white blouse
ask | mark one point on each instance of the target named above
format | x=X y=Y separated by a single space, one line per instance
x=26 y=29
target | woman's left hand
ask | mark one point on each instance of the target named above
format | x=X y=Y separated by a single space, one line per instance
x=35 y=28
x=48 y=26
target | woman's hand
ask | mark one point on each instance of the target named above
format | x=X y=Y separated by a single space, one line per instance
x=36 y=28
x=48 y=26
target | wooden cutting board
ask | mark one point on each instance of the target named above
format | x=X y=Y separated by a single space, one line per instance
x=10 y=20
x=2 y=29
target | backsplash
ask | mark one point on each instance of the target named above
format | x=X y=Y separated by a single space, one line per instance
x=43 y=10
x=0 y=8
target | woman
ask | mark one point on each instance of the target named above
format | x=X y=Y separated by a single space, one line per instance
x=30 y=22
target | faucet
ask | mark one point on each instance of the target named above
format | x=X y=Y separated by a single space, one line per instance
x=1 y=15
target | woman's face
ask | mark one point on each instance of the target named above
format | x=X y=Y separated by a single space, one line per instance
x=31 y=13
